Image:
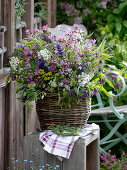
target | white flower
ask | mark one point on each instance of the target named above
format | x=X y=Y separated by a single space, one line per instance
x=46 y=54
x=84 y=78
x=53 y=83
x=44 y=94
x=14 y=62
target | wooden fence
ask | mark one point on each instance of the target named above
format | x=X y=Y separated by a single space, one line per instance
x=14 y=123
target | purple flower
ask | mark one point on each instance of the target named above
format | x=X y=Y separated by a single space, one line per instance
x=78 y=20
x=95 y=92
x=60 y=84
x=113 y=158
x=113 y=76
x=72 y=93
x=79 y=4
x=20 y=70
x=104 y=159
x=80 y=84
x=27 y=59
x=66 y=86
x=41 y=64
x=52 y=68
x=117 y=84
x=36 y=72
x=110 y=166
x=69 y=69
x=102 y=81
x=65 y=80
x=28 y=66
x=85 y=94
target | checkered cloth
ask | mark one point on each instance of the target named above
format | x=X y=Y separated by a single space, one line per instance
x=63 y=145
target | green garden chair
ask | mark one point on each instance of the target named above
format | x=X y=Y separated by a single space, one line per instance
x=112 y=116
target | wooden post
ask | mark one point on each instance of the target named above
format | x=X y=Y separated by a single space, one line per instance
x=2 y=117
x=0 y=12
x=52 y=13
x=29 y=14
x=9 y=20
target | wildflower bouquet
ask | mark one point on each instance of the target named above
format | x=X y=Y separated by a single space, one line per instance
x=72 y=66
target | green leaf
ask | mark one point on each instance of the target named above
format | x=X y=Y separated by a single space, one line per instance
x=118 y=27
x=8 y=79
x=125 y=23
x=109 y=83
x=112 y=66
x=105 y=91
x=116 y=11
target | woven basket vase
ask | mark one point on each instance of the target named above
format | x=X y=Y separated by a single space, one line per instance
x=50 y=114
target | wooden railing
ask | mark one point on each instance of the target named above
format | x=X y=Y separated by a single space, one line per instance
x=20 y=28
x=38 y=23
x=3 y=49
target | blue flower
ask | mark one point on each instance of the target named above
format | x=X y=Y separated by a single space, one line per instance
x=57 y=166
x=41 y=64
x=85 y=94
x=16 y=161
x=60 y=84
x=25 y=160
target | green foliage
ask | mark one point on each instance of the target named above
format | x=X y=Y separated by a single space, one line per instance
x=65 y=130
x=95 y=14
x=19 y=8
x=41 y=9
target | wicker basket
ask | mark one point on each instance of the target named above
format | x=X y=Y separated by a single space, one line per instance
x=50 y=114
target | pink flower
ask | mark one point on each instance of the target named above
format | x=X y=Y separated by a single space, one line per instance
x=103 y=158
x=35 y=30
x=76 y=26
x=26 y=48
x=59 y=38
x=27 y=31
x=92 y=41
x=44 y=28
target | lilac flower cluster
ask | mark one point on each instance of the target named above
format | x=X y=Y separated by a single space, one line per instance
x=70 y=65
x=109 y=161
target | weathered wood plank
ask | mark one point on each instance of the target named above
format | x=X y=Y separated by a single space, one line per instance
x=29 y=14
x=0 y=12
x=9 y=23
x=12 y=122
x=52 y=13
x=2 y=119
x=92 y=153
x=19 y=119
x=31 y=121
x=16 y=125
x=6 y=125
x=3 y=75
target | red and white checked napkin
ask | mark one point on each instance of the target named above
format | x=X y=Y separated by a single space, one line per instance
x=63 y=145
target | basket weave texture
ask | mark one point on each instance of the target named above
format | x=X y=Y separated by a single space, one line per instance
x=50 y=114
